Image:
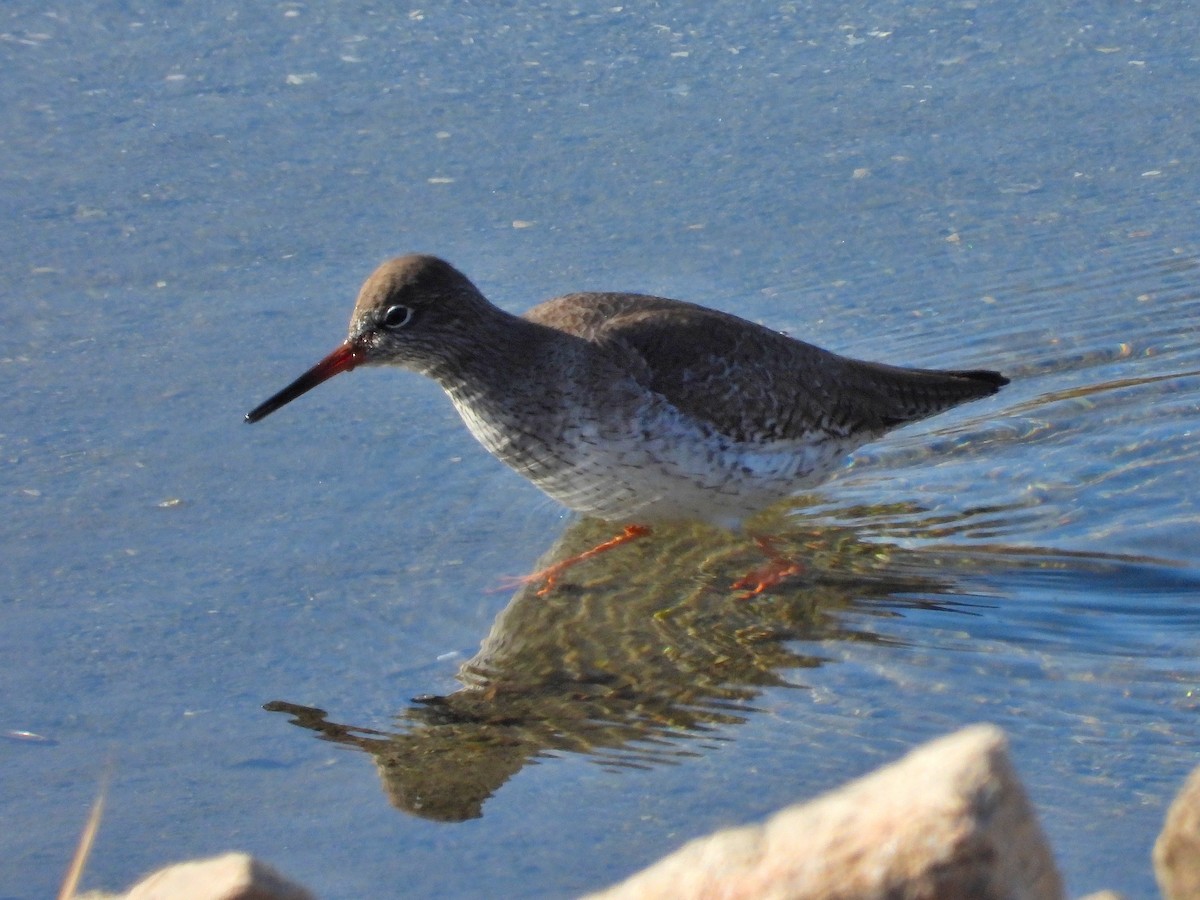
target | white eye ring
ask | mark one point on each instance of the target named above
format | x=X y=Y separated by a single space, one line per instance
x=396 y=317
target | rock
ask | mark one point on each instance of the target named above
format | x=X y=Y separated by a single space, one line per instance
x=234 y=876
x=949 y=820
x=1177 y=850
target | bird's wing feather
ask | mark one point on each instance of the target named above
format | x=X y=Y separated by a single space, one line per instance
x=749 y=382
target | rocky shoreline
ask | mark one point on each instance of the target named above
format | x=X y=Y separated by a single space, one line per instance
x=949 y=820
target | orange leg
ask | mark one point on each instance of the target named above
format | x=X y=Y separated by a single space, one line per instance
x=549 y=576
x=777 y=569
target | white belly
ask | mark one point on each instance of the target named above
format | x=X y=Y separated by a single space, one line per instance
x=654 y=465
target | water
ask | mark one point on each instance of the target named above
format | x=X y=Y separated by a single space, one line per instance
x=190 y=199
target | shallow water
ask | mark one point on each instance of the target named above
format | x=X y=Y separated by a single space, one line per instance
x=190 y=202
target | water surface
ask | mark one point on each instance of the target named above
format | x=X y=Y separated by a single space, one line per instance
x=190 y=200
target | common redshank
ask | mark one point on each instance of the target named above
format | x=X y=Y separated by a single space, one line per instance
x=633 y=408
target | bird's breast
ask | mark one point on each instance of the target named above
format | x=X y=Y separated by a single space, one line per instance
x=642 y=459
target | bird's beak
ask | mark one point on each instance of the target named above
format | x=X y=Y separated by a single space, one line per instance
x=343 y=359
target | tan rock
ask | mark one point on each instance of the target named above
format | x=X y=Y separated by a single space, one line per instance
x=234 y=876
x=950 y=820
x=1177 y=850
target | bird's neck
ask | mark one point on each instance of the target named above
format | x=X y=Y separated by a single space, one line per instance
x=498 y=382
x=497 y=355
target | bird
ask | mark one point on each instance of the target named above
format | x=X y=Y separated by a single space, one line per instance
x=633 y=408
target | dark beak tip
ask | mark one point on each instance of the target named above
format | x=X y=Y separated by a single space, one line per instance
x=343 y=359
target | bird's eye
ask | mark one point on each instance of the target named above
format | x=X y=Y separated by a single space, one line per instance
x=396 y=317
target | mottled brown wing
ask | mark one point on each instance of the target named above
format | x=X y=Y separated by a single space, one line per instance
x=748 y=381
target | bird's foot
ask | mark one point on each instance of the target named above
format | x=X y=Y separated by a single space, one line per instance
x=777 y=569
x=549 y=576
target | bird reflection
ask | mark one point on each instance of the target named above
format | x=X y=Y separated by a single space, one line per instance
x=636 y=657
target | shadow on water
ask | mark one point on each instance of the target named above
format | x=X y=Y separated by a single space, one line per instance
x=645 y=654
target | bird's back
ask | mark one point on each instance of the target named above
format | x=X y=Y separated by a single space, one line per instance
x=753 y=384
